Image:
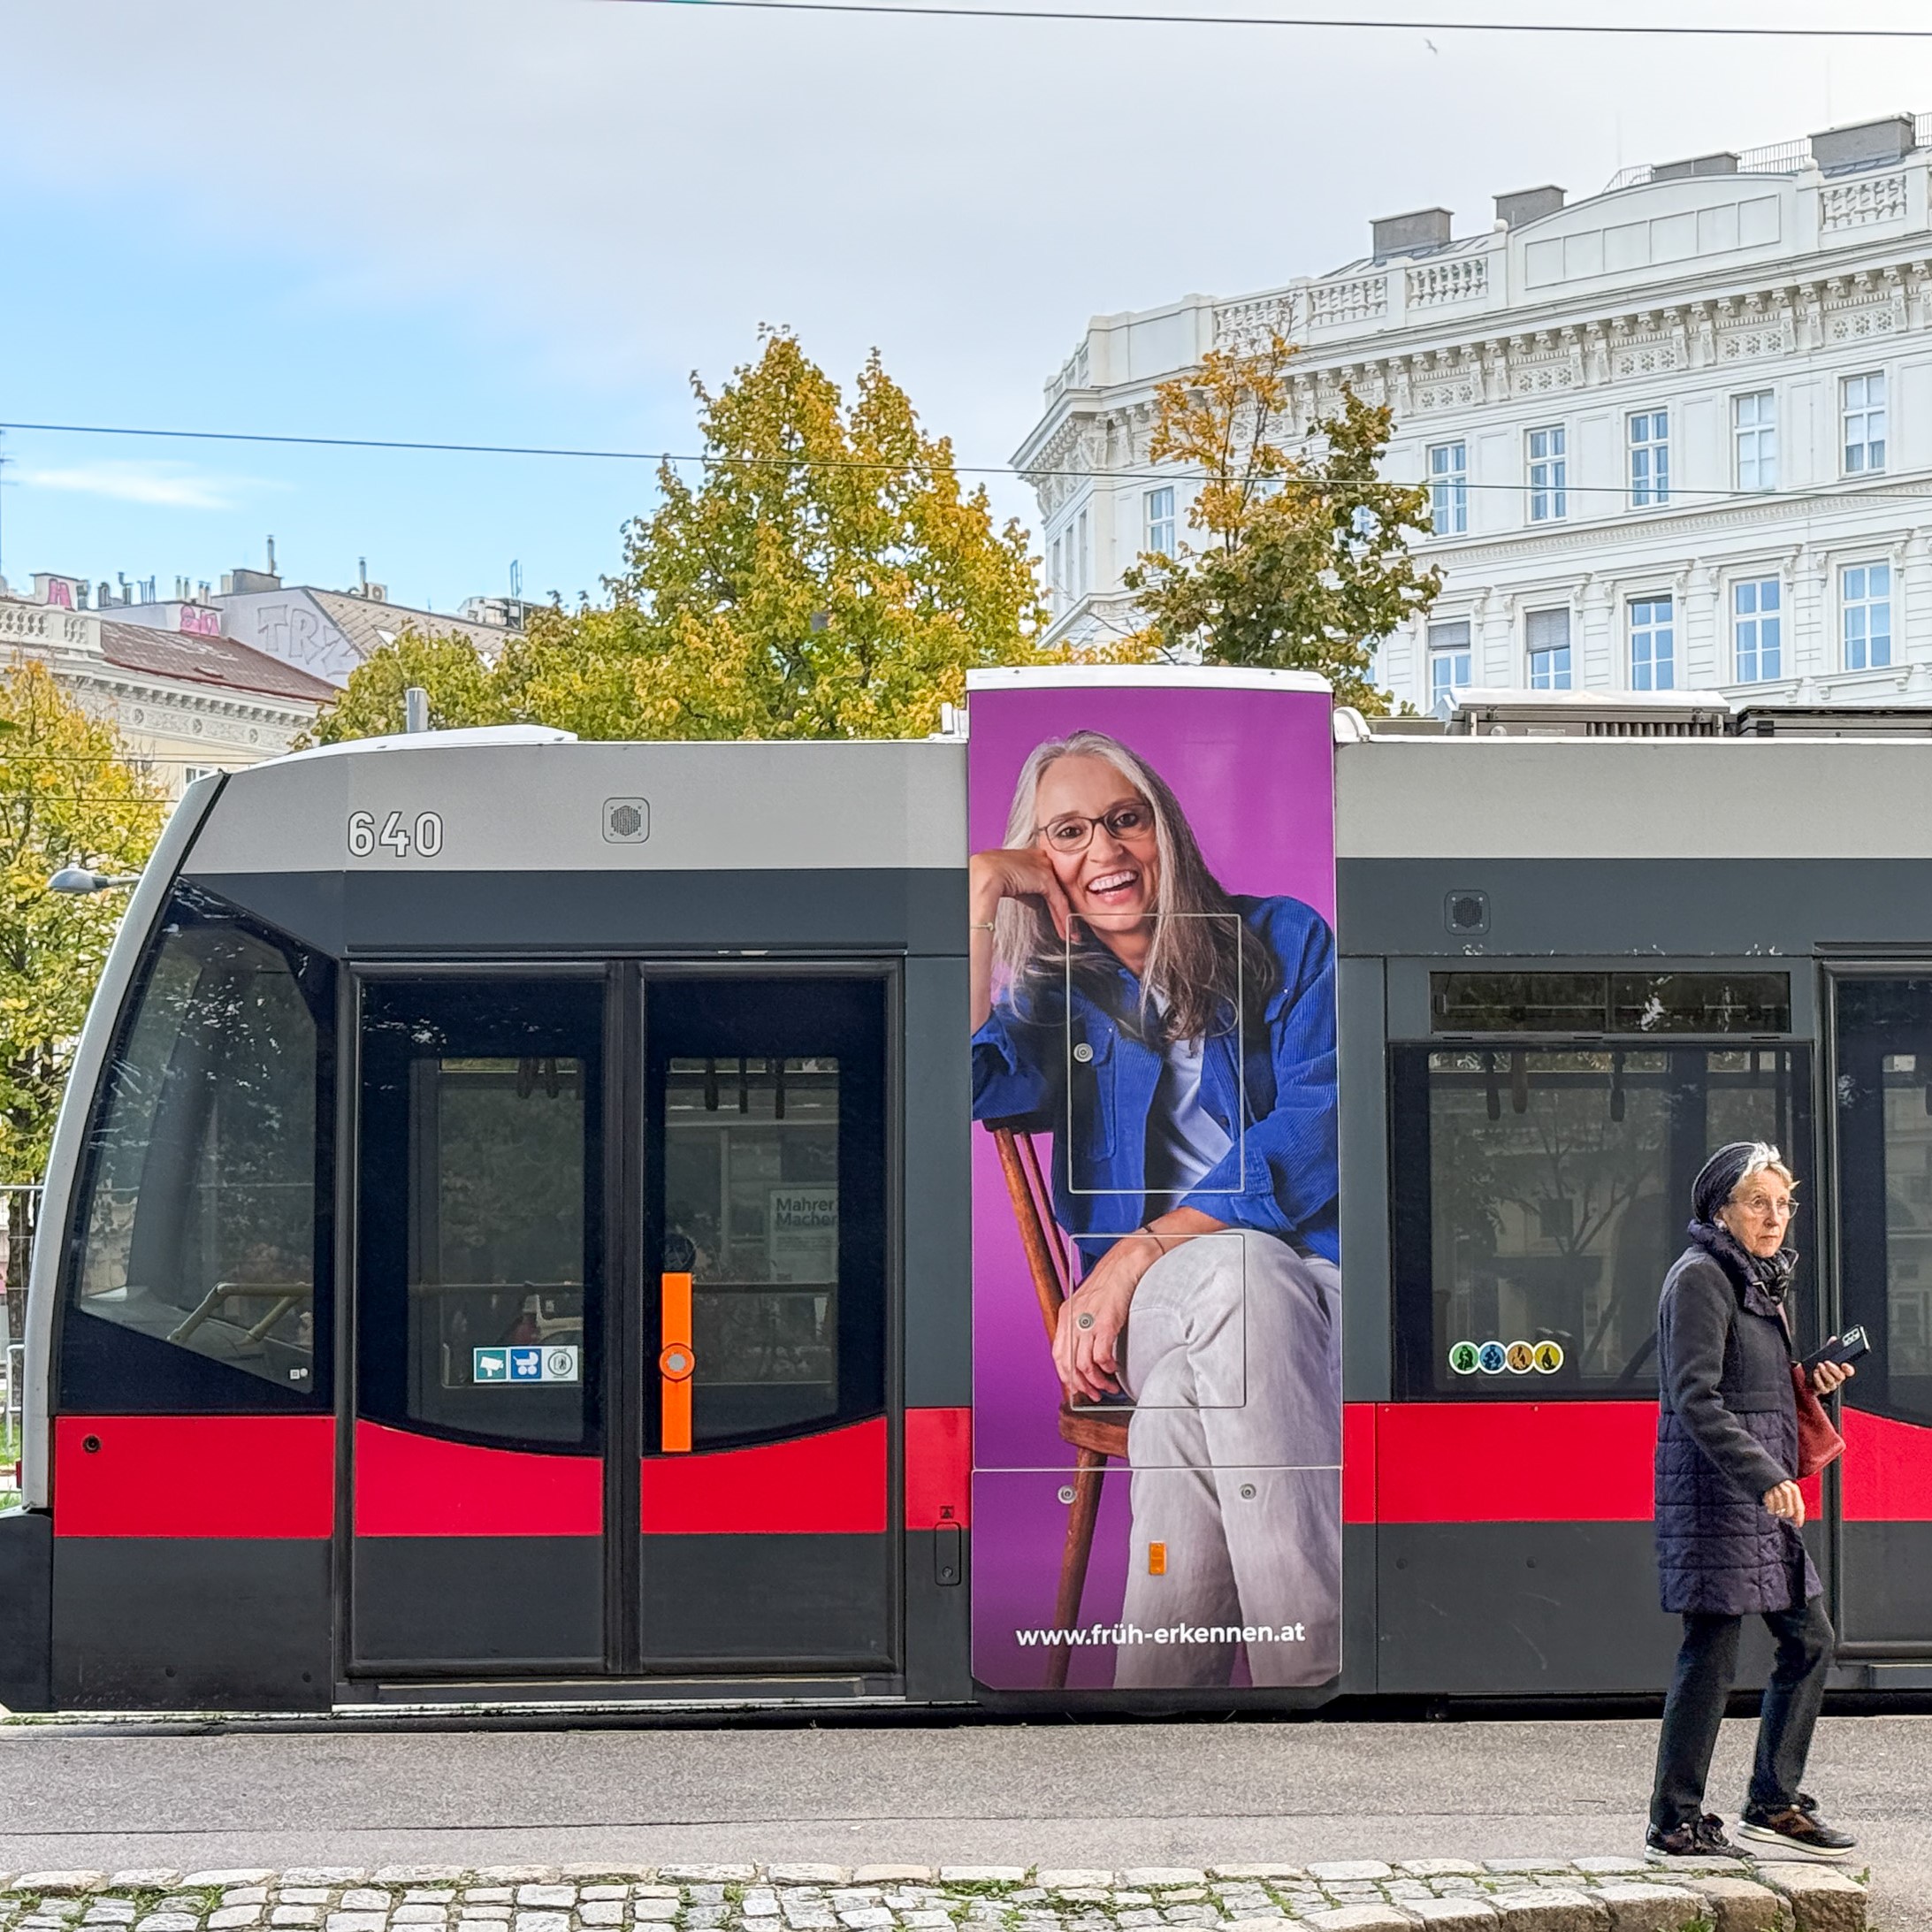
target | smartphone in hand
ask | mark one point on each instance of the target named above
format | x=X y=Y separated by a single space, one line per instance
x=1840 y=1350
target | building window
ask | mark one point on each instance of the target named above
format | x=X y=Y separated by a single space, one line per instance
x=1549 y=474
x=1449 y=489
x=1865 y=602
x=1160 y=520
x=1546 y=632
x=1864 y=412
x=1448 y=663
x=1650 y=458
x=1757 y=629
x=1654 y=644
x=1754 y=430
x=1066 y=570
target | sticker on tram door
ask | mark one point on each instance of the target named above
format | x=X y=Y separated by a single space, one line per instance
x=1521 y=1358
x=524 y=1364
x=1464 y=1358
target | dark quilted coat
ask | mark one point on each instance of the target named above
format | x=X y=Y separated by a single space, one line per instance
x=1727 y=1431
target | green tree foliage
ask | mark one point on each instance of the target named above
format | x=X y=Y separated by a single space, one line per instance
x=66 y=797
x=824 y=576
x=1306 y=559
x=464 y=690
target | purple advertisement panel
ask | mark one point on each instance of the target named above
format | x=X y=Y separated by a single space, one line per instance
x=1157 y=1288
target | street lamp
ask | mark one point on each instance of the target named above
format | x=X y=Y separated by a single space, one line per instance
x=77 y=879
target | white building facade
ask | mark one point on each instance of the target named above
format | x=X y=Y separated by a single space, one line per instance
x=182 y=703
x=1678 y=435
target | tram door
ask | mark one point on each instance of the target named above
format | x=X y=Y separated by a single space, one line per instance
x=620 y=1346
x=1883 y=1068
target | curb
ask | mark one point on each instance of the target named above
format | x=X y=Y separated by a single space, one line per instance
x=1362 y=1895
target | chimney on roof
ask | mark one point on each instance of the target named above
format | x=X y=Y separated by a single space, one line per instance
x=1410 y=234
x=1863 y=145
x=1722 y=162
x=1528 y=205
x=241 y=582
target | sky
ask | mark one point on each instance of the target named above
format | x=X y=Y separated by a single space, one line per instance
x=529 y=221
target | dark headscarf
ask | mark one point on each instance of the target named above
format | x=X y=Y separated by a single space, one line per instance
x=1717 y=1179
x=1716 y=1182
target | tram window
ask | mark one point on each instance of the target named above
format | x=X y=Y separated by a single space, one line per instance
x=204 y=1224
x=1611 y=1003
x=479 y=1208
x=1541 y=1196
x=1883 y=1091
x=767 y=1175
x=751 y=1208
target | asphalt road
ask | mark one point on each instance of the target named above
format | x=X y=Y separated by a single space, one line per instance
x=1111 y=1795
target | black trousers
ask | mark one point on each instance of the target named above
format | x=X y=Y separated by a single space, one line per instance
x=1707 y=1667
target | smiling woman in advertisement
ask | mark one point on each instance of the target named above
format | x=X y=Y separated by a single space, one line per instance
x=1180 y=1042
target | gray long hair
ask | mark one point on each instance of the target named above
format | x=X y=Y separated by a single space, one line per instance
x=1199 y=971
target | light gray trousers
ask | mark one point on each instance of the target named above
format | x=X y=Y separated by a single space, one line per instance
x=1233 y=1359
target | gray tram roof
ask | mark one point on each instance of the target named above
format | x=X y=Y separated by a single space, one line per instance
x=1580 y=798
x=523 y=800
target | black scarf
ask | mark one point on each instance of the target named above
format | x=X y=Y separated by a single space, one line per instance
x=1770 y=1275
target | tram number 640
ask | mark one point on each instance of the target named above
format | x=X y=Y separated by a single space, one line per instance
x=424 y=837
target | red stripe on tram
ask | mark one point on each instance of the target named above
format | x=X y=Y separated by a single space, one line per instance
x=938 y=1467
x=194 y=1475
x=827 y=1484
x=1514 y=1461
x=423 y=1485
x=1886 y=1470
x=1358 y=1461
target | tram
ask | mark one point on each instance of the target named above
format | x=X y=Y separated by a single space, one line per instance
x=531 y=1222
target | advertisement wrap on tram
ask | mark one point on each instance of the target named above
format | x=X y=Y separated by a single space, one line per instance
x=1156 y=1318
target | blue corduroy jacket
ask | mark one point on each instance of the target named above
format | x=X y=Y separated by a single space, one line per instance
x=1068 y=1066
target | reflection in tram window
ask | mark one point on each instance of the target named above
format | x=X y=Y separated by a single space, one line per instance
x=1610 y=1002
x=1540 y=1198
x=751 y=1161
x=1884 y=1104
x=498 y=1238
x=199 y=1225
x=481 y=1170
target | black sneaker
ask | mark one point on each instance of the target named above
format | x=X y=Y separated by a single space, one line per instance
x=1701 y=1838
x=1799 y=1829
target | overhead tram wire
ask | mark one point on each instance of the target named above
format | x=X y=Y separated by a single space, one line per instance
x=1345 y=23
x=1690 y=497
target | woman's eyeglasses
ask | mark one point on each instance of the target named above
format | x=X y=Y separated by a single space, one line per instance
x=1074 y=833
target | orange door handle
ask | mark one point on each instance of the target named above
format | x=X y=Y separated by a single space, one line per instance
x=677 y=1363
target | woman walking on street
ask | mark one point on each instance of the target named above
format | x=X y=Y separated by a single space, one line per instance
x=1729 y=1511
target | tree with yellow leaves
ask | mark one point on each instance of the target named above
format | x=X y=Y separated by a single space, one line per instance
x=1306 y=559
x=67 y=796
x=824 y=576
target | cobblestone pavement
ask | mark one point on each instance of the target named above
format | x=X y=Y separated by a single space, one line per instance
x=1456 y=1895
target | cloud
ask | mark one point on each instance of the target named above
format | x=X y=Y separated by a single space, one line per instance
x=161 y=485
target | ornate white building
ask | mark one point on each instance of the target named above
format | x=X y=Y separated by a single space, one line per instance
x=183 y=702
x=1678 y=435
